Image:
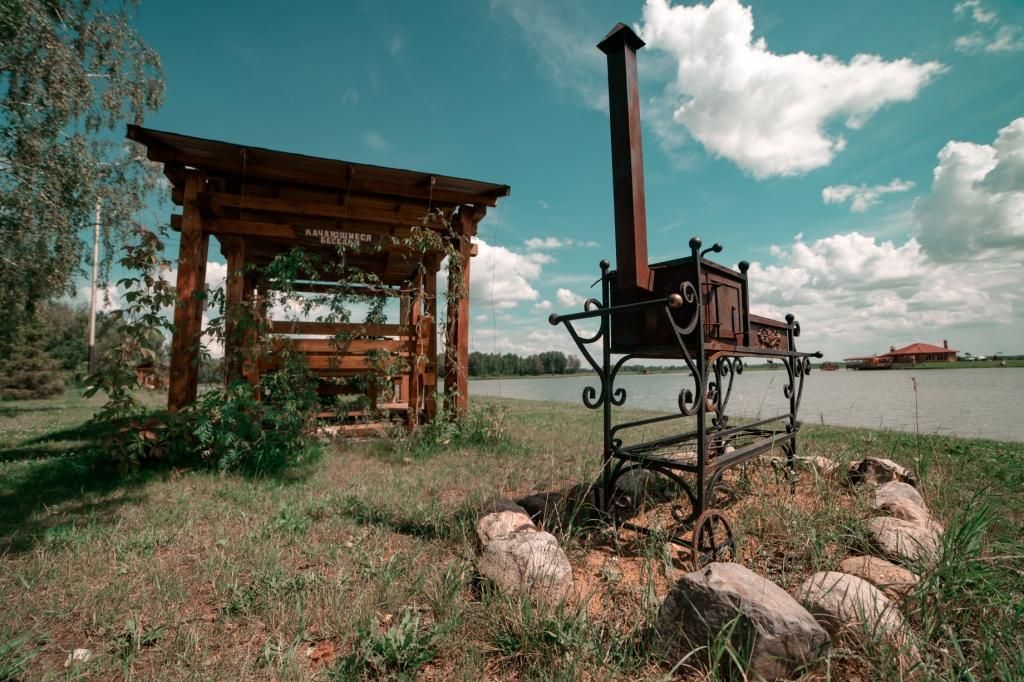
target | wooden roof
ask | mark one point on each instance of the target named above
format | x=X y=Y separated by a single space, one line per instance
x=225 y=158
x=275 y=200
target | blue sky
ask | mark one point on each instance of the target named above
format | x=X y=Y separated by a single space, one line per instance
x=751 y=111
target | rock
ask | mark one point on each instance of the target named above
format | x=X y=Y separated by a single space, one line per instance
x=529 y=563
x=895 y=490
x=501 y=518
x=644 y=485
x=78 y=656
x=903 y=541
x=907 y=510
x=875 y=470
x=849 y=606
x=823 y=465
x=894 y=581
x=785 y=637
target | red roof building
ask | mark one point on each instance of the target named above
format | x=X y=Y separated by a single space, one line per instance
x=913 y=354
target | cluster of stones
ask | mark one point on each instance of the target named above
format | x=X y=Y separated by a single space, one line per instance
x=783 y=633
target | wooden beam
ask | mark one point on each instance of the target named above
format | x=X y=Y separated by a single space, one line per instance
x=339 y=347
x=334 y=329
x=261 y=164
x=354 y=208
x=188 y=311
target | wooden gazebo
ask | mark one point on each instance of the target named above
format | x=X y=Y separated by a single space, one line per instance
x=260 y=203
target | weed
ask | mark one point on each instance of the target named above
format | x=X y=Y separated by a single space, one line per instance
x=397 y=652
x=483 y=428
x=15 y=654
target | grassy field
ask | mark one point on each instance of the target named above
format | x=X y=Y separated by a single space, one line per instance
x=359 y=565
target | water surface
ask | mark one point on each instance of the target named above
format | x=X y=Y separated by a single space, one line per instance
x=975 y=403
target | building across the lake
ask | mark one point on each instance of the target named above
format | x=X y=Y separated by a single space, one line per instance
x=913 y=354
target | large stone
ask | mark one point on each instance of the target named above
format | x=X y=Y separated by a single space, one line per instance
x=894 y=581
x=849 y=606
x=501 y=518
x=784 y=637
x=876 y=470
x=894 y=490
x=904 y=541
x=824 y=465
x=529 y=563
x=908 y=510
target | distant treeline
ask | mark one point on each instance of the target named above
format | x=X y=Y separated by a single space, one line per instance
x=510 y=364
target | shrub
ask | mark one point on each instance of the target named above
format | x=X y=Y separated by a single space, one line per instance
x=29 y=372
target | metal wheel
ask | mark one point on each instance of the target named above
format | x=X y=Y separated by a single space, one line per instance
x=712 y=539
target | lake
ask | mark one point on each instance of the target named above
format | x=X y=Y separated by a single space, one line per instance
x=974 y=403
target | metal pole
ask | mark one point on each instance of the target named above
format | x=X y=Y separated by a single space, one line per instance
x=92 y=296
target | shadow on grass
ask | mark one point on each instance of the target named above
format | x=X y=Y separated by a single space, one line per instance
x=448 y=527
x=84 y=438
x=73 y=489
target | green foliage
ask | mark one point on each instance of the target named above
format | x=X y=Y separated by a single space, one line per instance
x=15 y=655
x=480 y=427
x=510 y=364
x=230 y=429
x=970 y=607
x=133 y=438
x=29 y=372
x=71 y=73
x=396 y=653
x=65 y=331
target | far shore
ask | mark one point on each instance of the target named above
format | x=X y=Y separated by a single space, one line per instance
x=980 y=364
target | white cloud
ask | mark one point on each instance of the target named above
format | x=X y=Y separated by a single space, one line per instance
x=570 y=60
x=990 y=33
x=857 y=295
x=502 y=277
x=568 y=299
x=767 y=112
x=376 y=142
x=977 y=10
x=862 y=197
x=976 y=206
x=543 y=305
x=537 y=243
x=544 y=243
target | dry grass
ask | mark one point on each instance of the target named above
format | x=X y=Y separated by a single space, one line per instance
x=361 y=563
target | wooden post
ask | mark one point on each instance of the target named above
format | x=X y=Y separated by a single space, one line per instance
x=416 y=368
x=433 y=264
x=188 y=312
x=233 y=249
x=456 y=353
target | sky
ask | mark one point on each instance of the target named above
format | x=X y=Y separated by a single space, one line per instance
x=867 y=158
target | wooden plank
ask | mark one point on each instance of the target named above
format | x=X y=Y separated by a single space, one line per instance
x=334 y=328
x=361 y=209
x=188 y=311
x=337 y=347
x=344 y=363
x=355 y=430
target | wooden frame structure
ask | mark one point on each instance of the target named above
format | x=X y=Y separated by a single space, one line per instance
x=260 y=203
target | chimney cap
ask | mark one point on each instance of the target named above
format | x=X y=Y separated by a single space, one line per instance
x=619 y=35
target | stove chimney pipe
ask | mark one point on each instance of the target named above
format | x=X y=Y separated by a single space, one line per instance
x=627 y=159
